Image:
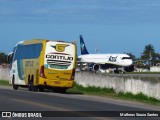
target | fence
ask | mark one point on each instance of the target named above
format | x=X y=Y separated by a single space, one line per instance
x=4 y=72
x=119 y=84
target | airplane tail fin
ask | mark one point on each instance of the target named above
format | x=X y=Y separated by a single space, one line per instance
x=83 y=46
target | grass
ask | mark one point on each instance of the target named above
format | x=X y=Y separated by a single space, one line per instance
x=139 y=97
x=111 y=93
x=146 y=78
x=4 y=82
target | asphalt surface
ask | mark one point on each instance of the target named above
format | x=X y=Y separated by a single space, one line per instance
x=128 y=75
x=139 y=75
x=23 y=100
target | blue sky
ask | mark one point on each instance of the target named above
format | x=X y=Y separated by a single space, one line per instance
x=111 y=26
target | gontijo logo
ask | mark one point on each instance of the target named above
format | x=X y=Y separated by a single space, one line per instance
x=60 y=47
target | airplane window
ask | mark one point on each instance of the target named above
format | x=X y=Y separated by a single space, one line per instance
x=126 y=58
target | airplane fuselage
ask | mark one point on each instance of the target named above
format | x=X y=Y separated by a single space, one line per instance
x=104 y=61
x=123 y=60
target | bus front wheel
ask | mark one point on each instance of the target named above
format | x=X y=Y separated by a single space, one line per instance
x=15 y=87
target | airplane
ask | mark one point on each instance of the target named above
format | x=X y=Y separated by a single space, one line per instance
x=105 y=61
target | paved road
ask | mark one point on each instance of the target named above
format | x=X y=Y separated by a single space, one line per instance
x=23 y=100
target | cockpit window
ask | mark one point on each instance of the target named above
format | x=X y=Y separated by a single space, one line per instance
x=123 y=58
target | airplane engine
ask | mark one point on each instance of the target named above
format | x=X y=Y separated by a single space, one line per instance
x=94 y=67
x=129 y=69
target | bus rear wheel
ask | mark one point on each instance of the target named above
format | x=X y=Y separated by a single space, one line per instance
x=15 y=87
x=31 y=86
x=41 y=89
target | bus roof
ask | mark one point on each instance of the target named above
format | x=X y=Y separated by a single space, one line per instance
x=34 y=41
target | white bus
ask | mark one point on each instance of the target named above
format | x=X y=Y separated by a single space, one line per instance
x=41 y=64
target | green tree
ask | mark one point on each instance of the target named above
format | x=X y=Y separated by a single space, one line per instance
x=132 y=55
x=148 y=53
x=3 y=58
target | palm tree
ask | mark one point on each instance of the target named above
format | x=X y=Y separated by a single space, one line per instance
x=131 y=55
x=148 y=53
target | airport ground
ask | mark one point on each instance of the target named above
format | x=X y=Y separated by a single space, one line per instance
x=140 y=75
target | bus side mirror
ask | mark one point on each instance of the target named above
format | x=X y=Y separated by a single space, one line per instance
x=10 y=57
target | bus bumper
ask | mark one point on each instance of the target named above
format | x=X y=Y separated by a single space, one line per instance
x=57 y=83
